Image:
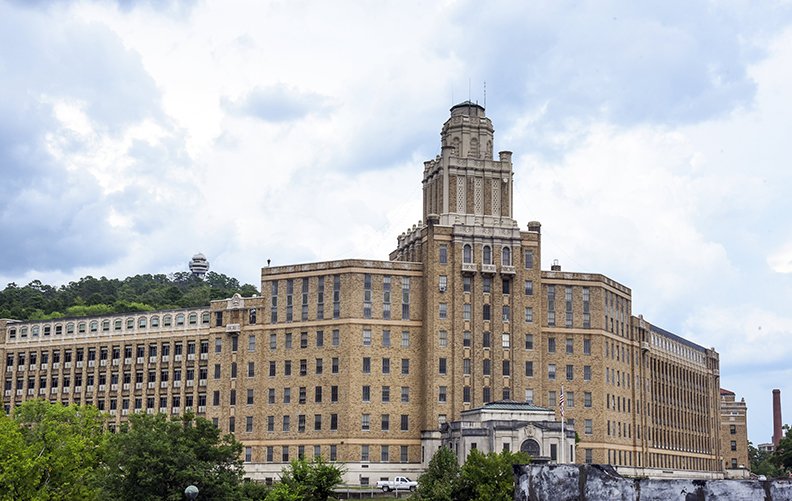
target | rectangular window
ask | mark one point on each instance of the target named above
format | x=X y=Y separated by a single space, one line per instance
x=405 y=394
x=367 y=295
x=570 y=399
x=529 y=344
x=528 y=314
x=405 y=366
x=249 y=400
x=365 y=422
x=405 y=422
x=466 y=366
x=287 y=340
x=466 y=394
x=320 y=298
x=405 y=339
x=528 y=368
x=386 y=338
x=466 y=284
x=505 y=340
x=586 y=373
x=318 y=394
x=506 y=368
x=366 y=365
x=386 y=297
x=587 y=399
x=466 y=311
x=317 y=422
x=486 y=285
x=486 y=367
x=442 y=282
x=336 y=337
x=386 y=365
x=587 y=346
x=405 y=298
x=442 y=366
x=551 y=372
x=366 y=337
x=251 y=343
x=336 y=296
x=486 y=394
x=443 y=311
x=404 y=453
x=304 y=309
x=588 y=427
x=529 y=287
x=366 y=393
x=441 y=397
x=486 y=339
x=570 y=346
x=486 y=312
x=385 y=422
x=319 y=366
x=528 y=258
x=442 y=339
x=289 y=299
x=386 y=394
x=334 y=393
x=570 y=372
x=248 y=425
x=334 y=365
x=466 y=339
x=443 y=254
x=551 y=345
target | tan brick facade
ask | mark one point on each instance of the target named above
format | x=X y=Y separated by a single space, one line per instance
x=362 y=361
x=734 y=433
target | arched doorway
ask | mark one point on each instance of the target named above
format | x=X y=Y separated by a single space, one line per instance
x=531 y=447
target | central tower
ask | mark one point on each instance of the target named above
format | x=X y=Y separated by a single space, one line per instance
x=464 y=184
x=480 y=272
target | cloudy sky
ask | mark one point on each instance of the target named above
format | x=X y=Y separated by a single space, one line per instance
x=652 y=141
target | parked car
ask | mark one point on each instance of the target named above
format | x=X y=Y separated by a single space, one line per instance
x=397 y=484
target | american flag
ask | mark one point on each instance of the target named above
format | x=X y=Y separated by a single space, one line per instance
x=561 y=402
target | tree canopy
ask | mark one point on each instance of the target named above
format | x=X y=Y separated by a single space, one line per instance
x=51 y=452
x=100 y=296
x=307 y=481
x=155 y=458
x=483 y=477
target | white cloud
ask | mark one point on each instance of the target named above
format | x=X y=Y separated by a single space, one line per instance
x=650 y=141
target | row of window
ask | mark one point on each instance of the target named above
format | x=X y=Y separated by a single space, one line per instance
x=106 y=325
x=486 y=255
x=385 y=455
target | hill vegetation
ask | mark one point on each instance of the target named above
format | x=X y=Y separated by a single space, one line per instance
x=99 y=296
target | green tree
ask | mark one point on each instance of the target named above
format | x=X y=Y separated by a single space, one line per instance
x=763 y=462
x=783 y=453
x=441 y=478
x=61 y=449
x=17 y=462
x=488 y=477
x=154 y=458
x=307 y=481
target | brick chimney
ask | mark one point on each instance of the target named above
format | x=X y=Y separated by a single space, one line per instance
x=777 y=433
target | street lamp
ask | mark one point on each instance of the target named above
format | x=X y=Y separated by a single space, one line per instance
x=191 y=492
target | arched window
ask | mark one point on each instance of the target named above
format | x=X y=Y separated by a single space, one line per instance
x=487 y=255
x=467 y=254
x=167 y=320
x=180 y=319
x=193 y=318
x=117 y=324
x=81 y=327
x=105 y=325
x=506 y=256
x=205 y=318
x=155 y=321
x=142 y=322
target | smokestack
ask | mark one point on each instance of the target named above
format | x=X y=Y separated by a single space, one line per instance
x=776 y=417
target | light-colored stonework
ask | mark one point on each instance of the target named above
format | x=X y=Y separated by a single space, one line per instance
x=363 y=361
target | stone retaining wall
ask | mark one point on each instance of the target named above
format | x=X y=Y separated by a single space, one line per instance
x=602 y=482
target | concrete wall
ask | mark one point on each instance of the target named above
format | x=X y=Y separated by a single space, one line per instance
x=601 y=482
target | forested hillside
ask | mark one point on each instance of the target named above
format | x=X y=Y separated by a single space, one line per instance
x=97 y=296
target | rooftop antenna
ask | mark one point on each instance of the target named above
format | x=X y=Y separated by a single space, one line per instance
x=485 y=94
x=468 y=89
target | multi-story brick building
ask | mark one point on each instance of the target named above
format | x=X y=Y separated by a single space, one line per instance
x=364 y=361
x=734 y=434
